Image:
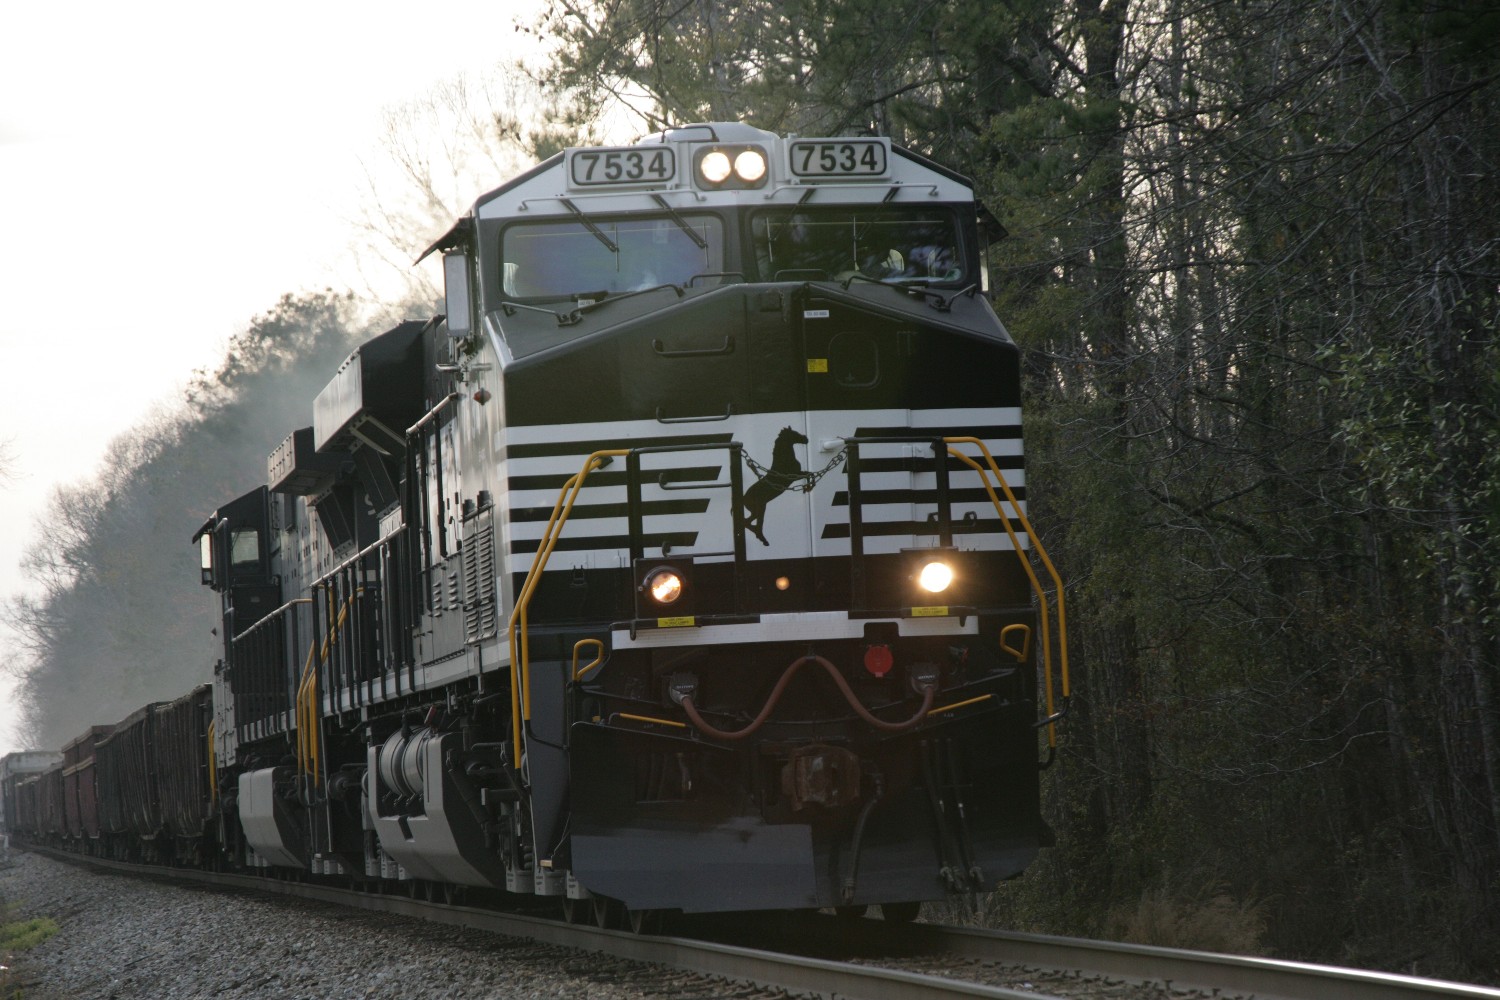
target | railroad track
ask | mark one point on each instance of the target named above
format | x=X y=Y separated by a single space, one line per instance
x=1176 y=970
x=827 y=956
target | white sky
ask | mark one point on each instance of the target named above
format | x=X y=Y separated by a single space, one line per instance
x=167 y=171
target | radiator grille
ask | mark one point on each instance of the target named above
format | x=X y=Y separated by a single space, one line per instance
x=479 y=576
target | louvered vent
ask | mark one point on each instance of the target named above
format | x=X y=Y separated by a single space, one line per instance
x=479 y=577
x=447 y=589
x=455 y=590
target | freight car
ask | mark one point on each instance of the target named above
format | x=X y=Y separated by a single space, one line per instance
x=155 y=782
x=20 y=790
x=683 y=564
x=81 y=789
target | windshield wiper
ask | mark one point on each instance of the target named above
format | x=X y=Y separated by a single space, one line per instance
x=942 y=303
x=588 y=224
x=915 y=287
x=681 y=223
x=625 y=295
x=861 y=276
x=563 y=319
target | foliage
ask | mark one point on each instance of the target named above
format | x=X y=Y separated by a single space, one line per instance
x=19 y=935
x=1251 y=251
x=121 y=618
x=1209 y=920
x=433 y=156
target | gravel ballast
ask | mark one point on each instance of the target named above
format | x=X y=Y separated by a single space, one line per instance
x=123 y=937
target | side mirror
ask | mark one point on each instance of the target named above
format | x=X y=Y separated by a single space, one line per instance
x=456 y=294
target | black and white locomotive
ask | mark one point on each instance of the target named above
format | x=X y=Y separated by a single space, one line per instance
x=683 y=565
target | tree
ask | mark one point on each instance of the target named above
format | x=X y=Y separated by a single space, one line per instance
x=119 y=618
x=434 y=156
x=1251 y=253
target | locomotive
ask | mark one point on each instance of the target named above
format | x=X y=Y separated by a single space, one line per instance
x=681 y=565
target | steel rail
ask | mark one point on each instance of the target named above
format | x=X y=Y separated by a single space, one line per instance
x=763 y=969
x=1227 y=975
x=1263 y=978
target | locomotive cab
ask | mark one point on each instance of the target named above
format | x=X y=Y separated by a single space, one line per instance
x=234 y=551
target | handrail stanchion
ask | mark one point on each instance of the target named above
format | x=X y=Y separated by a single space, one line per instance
x=520 y=687
x=1041 y=551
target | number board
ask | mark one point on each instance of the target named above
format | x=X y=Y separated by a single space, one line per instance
x=838 y=158
x=628 y=165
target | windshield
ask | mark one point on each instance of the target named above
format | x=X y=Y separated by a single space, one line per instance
x=564 y=259
x=884 y=244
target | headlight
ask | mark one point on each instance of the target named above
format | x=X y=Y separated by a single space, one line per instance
x=935 y=577
x=749 y=166
x=731 y=167
x=715 y=167
x=664 y=585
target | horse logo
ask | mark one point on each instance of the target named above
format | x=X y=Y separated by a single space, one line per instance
x=784 y=473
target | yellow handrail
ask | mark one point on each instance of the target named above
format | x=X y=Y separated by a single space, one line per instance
x=961 y=704
x=309 y=675
x=308 y=760
x=1025 y=650
x=307 y=687
x=651 y=719
x=598 y=645
x=521 y=666
x=306 y=716
x=1036 y=586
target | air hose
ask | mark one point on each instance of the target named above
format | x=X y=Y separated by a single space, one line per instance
x=926 y=686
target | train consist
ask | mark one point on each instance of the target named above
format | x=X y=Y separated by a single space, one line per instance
x=683 y=565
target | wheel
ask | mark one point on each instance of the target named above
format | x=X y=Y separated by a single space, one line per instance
x=900 y=913
x=577 y=911
x=643 y=921
x=850 y=912
x=607 y=913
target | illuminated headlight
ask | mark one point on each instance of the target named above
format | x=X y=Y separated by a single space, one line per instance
x=715 y=167
x=664 y=585
x=935 y=577
x=749 y=166
x=731 y=167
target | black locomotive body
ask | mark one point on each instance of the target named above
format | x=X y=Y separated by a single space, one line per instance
x=682 y=565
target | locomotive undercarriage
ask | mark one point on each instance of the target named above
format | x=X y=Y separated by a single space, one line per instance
x=815 y=807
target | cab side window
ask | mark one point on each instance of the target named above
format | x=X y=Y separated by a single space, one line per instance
x=244 y=550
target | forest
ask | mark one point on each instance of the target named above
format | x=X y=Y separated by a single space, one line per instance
x=1251 y=251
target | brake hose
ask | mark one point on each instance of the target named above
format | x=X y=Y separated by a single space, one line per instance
x=929 y=692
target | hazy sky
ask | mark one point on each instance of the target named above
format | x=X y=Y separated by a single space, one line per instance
x=167 y=171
